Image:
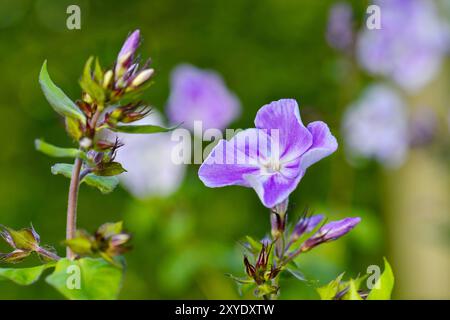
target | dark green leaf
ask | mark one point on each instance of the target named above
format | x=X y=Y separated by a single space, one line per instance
x=57 y=98
x=97 y=279
x=385 y=284
x=58 y=152
x=24 y=276
x=143 y=129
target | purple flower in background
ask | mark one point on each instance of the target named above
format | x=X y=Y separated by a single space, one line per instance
x=376 y=126
x=201 y=95
x=423 y=126
x=147 y=158
x=331 y=231
x=339 y=30
x=410 y=45
x=273 y=157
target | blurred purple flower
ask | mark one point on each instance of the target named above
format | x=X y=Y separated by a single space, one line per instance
x=423 y=126
x=147 y=158
x=201 y=95
x=271 y=158
x=376 y=126
x=339 y=30
x=410 y=45
x=331 y=231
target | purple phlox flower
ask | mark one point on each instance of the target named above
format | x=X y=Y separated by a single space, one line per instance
x=147 y=158
x=340 y=26
x=422 y=126
x=409 y=47
x=331 y=231
x=376 y=126
x=271 y=158
x=201 y=95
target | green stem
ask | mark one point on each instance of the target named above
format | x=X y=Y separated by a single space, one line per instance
x=71 y=225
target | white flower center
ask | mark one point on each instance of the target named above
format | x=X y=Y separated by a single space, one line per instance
x=271 y=166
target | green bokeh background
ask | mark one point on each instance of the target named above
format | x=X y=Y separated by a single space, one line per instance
x=183 y=244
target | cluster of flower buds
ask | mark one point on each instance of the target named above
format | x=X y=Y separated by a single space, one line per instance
x=262 y=272
x=100 y=160
x=24 y=242
x=126 y=75
x=108 y=241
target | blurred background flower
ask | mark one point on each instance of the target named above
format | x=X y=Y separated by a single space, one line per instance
x=340 y=26
x=410 y=45
x=148 y=161
x=376 y=126
x=200 y=95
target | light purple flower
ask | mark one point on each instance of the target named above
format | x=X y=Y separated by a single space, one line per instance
x=331 y=231
x=410 y=45
x=147 y=159
x=271 y=158
x=339 y=30
x=201 y=95
x=376 y=126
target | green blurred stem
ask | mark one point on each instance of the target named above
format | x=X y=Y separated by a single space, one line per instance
x=72 y=204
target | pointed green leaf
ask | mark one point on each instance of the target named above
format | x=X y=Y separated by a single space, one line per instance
x=89 y=85
x=352 y=293
x=104 y=184
x=58 y=152
x=384 y=285
x=143 y=129
x=24 y=276
x=86 y=279
x=57 y=98
x=329 y=291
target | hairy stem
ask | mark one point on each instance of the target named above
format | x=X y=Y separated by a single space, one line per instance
x=72 y=204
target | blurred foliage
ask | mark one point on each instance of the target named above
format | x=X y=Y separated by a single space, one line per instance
x=184 y=244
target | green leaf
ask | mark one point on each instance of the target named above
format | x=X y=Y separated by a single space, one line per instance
x=73 y=128
x=297 y=274
x=143 y=129
x=86 y=279
x=57 y=98
x=385 y=284
x=329 y=291
x=352 y=293
x=104 y=184
x=255 y=246
x=109 y=169
x=24 y=276
x=89 y=85
x=58 y=152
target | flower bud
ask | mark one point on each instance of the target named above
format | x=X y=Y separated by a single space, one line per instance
x=107 y=79
x=305 y=225
x=142 y=77
x=331 y=231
